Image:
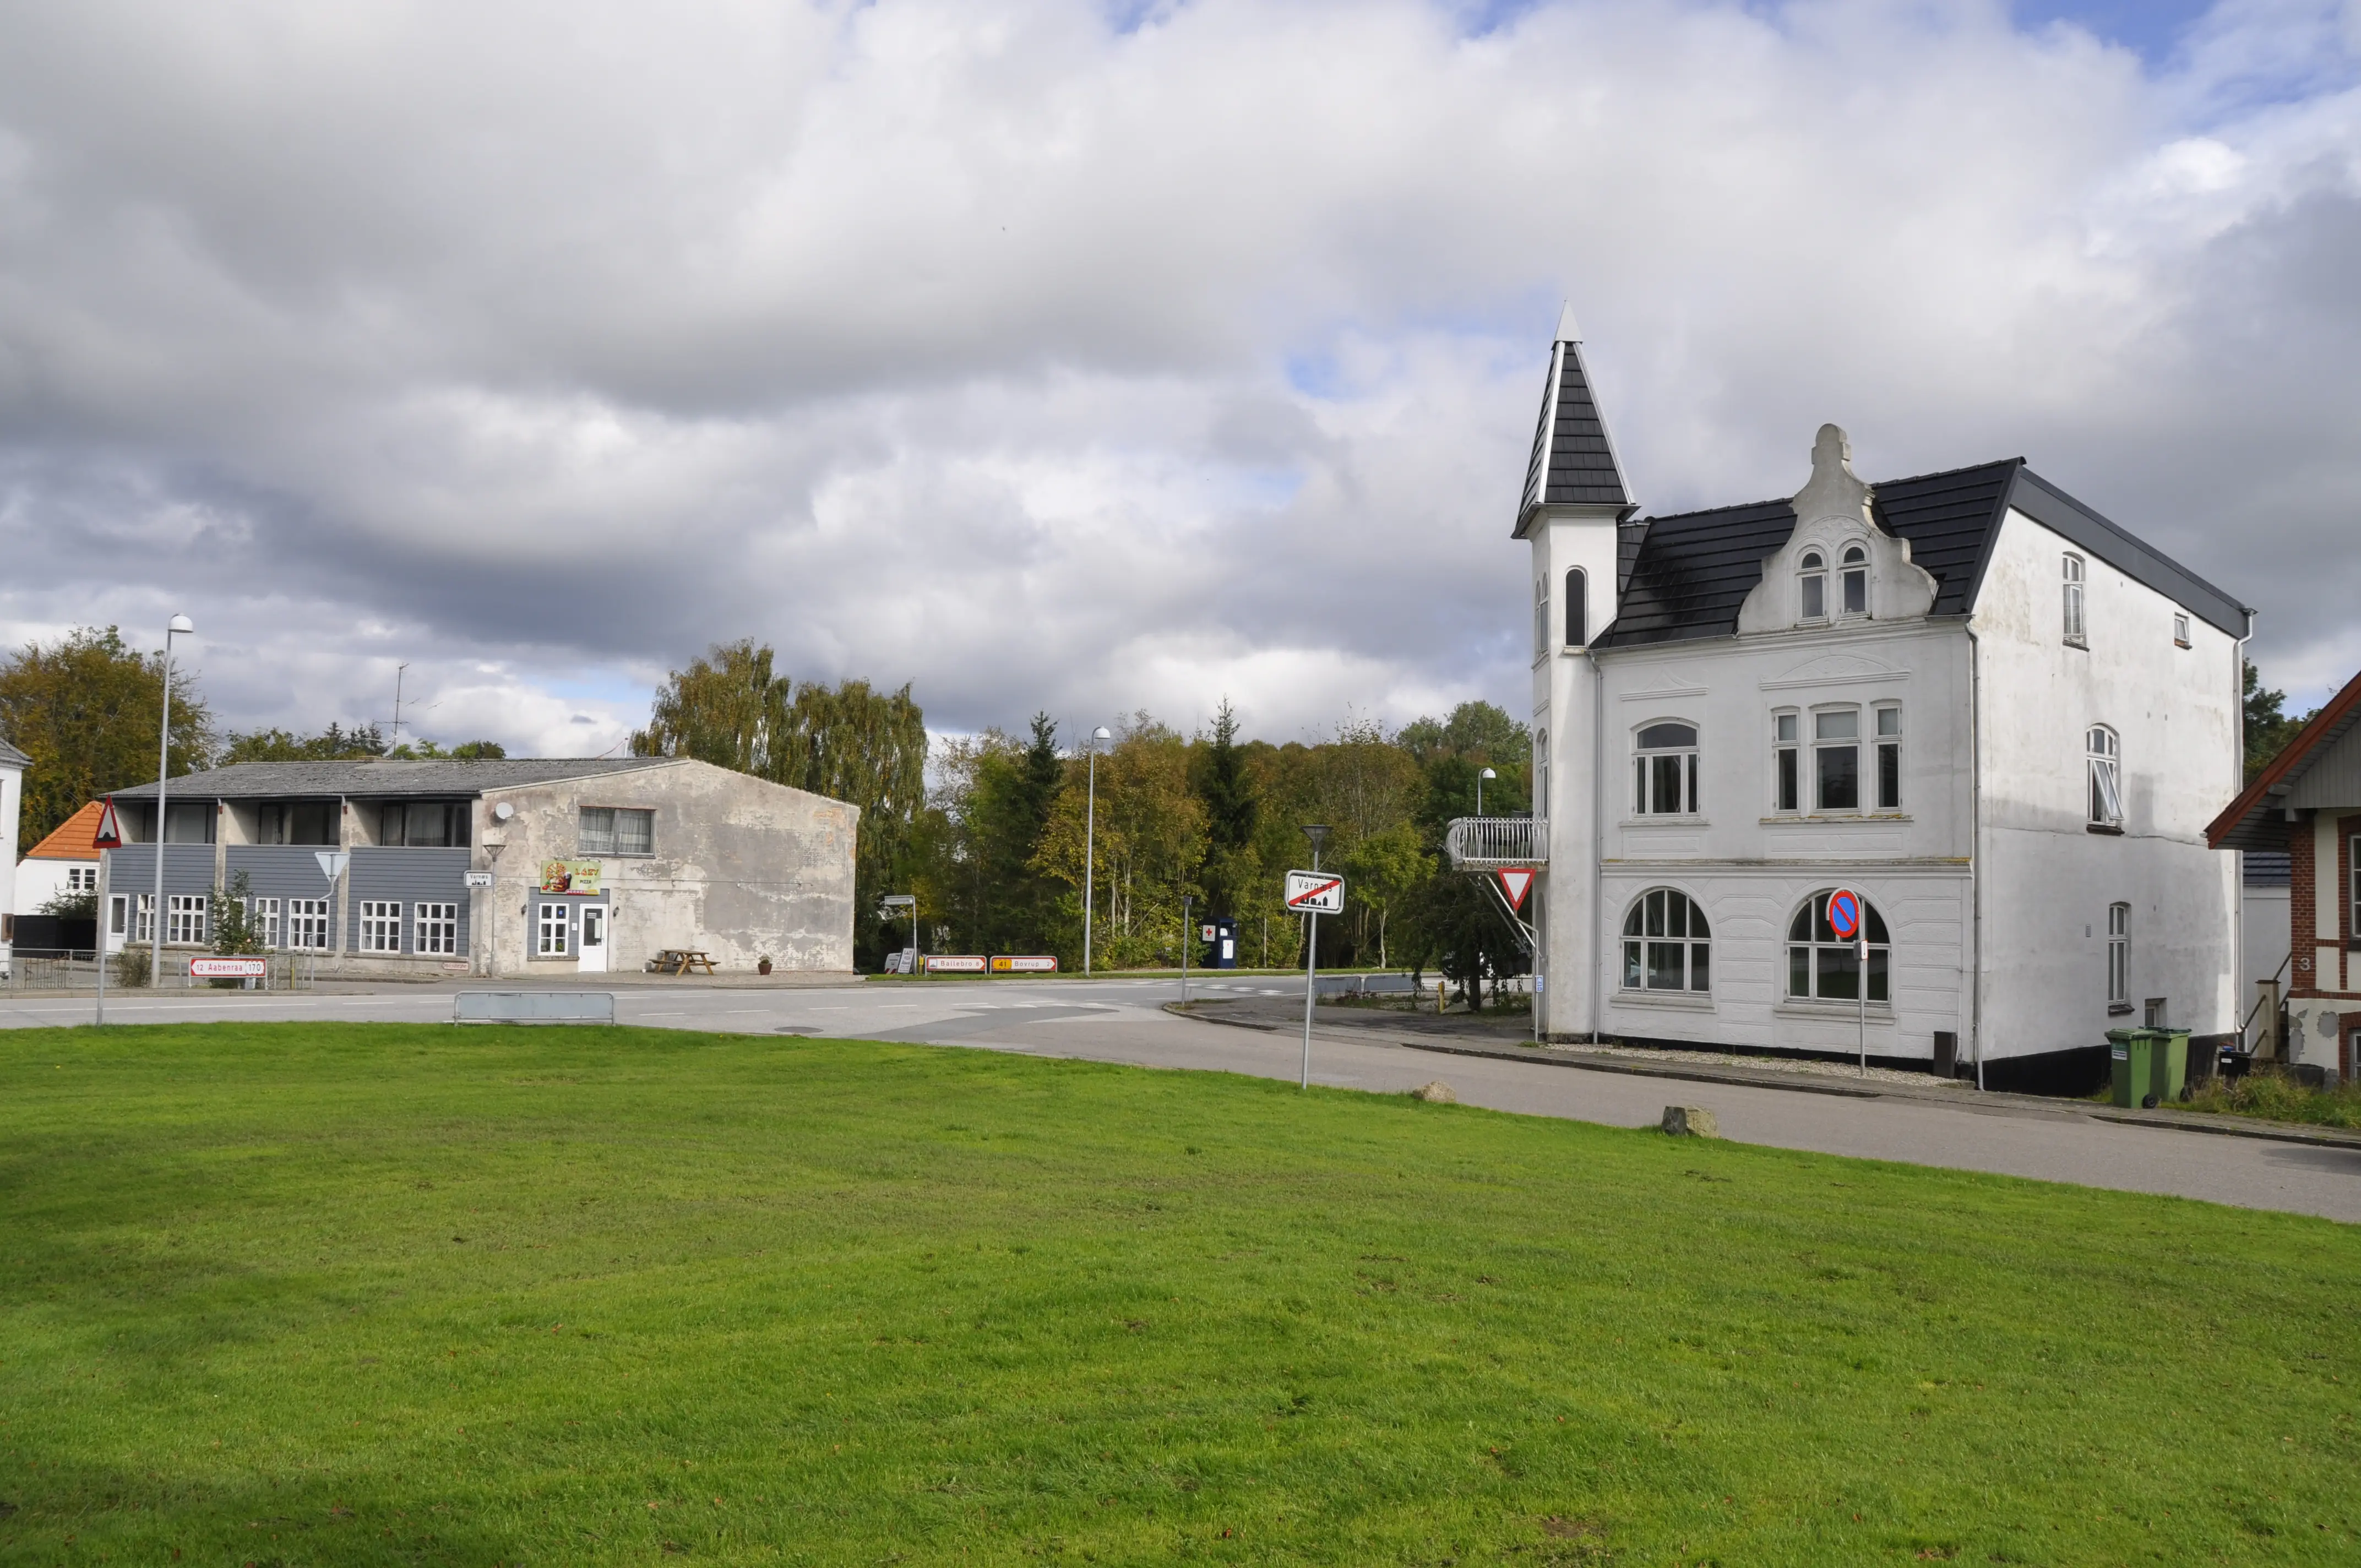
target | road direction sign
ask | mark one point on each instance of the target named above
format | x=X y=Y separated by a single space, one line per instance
x=476 y=878
x=1315 y=892
x=1515 y=882
x=225 y=969
x=1844 y=914
x=954 y=963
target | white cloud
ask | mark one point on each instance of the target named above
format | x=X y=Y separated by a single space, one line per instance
x=1052 y=364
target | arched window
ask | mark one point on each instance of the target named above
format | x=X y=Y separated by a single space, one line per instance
x=1666 y=945
x=1856 y=580
x=1576 y=581
x=2107 y=777
x=1821 y=967
x=2073 y=584
x=1666 y=778
x=1814 y=582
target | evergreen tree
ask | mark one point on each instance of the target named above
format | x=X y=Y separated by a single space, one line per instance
x=1233 y=807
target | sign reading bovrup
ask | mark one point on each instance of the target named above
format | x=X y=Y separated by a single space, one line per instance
x=580 y=877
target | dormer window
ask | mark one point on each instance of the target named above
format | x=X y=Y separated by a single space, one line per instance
x=1856 y=580
x=1814 y=582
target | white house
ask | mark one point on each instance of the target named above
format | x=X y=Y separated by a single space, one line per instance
x=1994 y=713
x=66 y=862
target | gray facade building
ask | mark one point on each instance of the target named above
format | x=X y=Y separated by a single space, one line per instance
x=513 y=868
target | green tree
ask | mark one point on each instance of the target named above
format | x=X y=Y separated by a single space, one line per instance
x=334 y=744
x=1475 y=730
x=84 y=709
x=1226 y=787
x=2268 y=729
x=234 y=932
x=726 y=708
x=1150 y=842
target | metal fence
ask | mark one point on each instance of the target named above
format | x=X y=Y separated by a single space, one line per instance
x=1497 y=842
x=26 y=969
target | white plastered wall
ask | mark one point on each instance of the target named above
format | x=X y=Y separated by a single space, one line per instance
x=2048 y=880
x=12 y=795
x=1563 y=711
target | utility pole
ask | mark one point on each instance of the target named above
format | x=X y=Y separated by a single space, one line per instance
x=1318 y=833
x=179 y=624
x=1090 y=842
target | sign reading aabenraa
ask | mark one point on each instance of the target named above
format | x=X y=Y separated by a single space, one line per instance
x=225 y=969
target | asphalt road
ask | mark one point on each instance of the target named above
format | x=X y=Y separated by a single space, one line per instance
x=1122 y=1021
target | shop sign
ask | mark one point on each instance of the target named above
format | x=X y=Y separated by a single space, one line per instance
x=579 y=877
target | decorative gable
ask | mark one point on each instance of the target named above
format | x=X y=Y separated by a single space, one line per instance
x=1838 y=567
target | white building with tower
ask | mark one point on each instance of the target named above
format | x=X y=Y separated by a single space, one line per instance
x=1994 y=713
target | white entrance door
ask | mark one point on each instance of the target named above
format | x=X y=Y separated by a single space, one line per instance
x=594 y=938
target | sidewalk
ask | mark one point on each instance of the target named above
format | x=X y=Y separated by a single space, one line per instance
x=1506 y=1041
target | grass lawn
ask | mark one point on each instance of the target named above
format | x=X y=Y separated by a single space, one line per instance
x=296 y=1294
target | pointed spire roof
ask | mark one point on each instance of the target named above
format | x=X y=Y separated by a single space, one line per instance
x=1574 y=458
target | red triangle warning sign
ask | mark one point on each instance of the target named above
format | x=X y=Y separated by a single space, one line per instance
x=1516 y=882
x=110 y=831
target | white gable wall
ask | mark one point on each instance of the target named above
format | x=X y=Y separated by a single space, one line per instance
x=12 y=795
x=2046 y=879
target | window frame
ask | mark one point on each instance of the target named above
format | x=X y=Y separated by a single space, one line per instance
x=1540 y=618
x=2181 y=628
x=1640 y=947
x=1577 y=607
x=1647 y=774
x=1852 y=566
x=2074 y=577
x=435 y=928
x=1887 y=746
x=2119 y=957
x=262 y=919
x=562 y=930
x=380 y=926
x=310 y=916
x=1787 y=761
x=1541 y=774
x=1826 y=744
x=2104 y=784
x=588 y=843
x=185 y=919
x=1811 y=584
x=1813 y=913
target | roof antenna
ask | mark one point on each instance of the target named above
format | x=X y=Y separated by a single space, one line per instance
x=396 y=705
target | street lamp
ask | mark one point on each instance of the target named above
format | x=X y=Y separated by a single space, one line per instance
x=180 y=625
x=1089 y=841
x=1487 y=773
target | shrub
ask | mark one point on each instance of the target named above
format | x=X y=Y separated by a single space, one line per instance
x=2270 y=1093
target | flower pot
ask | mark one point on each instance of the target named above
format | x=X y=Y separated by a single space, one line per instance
x=762 y=968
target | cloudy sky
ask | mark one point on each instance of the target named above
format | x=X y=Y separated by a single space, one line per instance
x=1099 y=355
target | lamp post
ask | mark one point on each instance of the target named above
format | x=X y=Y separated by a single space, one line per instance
x=1090 y=843
x=493 y=848
x=1318 y=833
x=1487 y=773
x=180 y=625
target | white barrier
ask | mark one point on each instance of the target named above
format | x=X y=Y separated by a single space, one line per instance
x=533 y=1007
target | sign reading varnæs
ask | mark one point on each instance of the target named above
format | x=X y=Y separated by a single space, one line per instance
x=580 y=877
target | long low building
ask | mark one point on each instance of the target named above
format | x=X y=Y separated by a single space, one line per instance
x=509 y=867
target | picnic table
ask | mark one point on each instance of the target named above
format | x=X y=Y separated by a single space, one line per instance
x=680 y=960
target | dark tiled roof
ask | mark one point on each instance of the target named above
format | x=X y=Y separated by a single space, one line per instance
x=443 y=776
x=1573 y=462
x=1693 y=570
x=13 y=757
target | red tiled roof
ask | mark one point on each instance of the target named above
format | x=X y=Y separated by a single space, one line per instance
x=73 y=838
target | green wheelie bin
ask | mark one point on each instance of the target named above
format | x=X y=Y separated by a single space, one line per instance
x=2150 y=1067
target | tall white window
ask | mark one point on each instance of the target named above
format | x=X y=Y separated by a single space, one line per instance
x=552 y=930
x=435 y=928
x=1856 y=580
x=1812 y=581
x=1836 y=760
x=1578 y=619
x=2106 y=778
x=307 y=925
x=2073 y=570
x=1824 y=968
x=616 y=830
x=2353 y=852
x=380 y=926
x=2181 y=628
x=1665 y=775
x=262 y=919
x=1786 y=762
x=1541 y=617
x=114 y=915
x=143 y=924
x=1889 y=758
x=184 y=917
x=2119 y=956
x=1541 y=774
x=1666 y=945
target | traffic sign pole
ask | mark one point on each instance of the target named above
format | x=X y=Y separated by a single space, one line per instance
x=1860 y=959
x=1847 y=917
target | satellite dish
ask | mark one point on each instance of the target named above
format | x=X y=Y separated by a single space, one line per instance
x=503 y=811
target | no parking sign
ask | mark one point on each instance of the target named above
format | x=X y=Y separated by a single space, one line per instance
x=1844 y=914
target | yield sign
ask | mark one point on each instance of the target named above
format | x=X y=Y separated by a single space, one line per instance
x=110 y=830
x=1515 y=882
